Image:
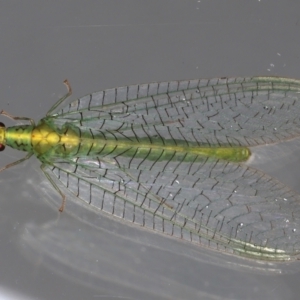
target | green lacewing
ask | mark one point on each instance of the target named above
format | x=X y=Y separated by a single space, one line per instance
x=170 y=157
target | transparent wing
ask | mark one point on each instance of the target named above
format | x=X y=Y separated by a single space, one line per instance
x=224 y=206
x=231 y=111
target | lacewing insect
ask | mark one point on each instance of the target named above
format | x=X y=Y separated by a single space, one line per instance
x=170 y=157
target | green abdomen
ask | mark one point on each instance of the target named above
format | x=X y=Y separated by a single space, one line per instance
x=151 y=148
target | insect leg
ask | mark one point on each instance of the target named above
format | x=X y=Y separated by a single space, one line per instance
x=61 y=100
x=43 y=166
x=6 y=114
x=16 y=162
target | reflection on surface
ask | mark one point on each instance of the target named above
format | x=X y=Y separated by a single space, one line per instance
x=6 y=294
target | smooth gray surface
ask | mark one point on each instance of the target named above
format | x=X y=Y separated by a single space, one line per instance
x=102 y=44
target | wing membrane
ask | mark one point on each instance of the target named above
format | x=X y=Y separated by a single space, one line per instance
x=234 y=111
x=224 y=205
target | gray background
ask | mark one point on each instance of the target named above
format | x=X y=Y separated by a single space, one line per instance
x=101 y=44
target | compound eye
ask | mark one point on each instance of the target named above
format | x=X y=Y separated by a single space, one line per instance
x=2 y=147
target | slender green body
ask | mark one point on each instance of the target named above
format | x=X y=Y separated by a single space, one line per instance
x=46 y=141
x=171 y=156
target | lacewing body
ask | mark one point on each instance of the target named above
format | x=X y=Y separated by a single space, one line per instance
x=171 y=156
